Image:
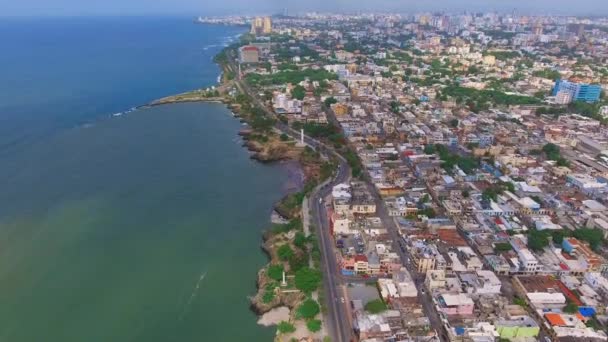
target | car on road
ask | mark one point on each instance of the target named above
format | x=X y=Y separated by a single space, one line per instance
x=342 y=300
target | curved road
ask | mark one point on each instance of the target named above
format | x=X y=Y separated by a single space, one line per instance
x=338 y=323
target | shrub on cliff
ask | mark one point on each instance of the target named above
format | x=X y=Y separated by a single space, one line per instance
x=313 y=325
x=275 y=272
x=308 y=309
x=285 y=327
x=285 y=252
x=307 y=280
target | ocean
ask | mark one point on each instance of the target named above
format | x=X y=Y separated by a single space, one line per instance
x=140 y=227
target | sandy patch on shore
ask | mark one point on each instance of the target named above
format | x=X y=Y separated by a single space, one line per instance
x=274 y=316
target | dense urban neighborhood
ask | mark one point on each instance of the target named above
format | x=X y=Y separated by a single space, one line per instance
x=475 y=208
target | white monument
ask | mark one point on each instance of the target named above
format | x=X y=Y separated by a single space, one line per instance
x=301 y=142
x=284 y=282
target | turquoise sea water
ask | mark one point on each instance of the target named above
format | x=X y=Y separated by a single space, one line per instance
x=143 y=227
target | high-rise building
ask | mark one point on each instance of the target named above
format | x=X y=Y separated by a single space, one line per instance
x=577 y=91
x=261 y=25
x=267 y=25
x=578 y=29
x=249 y=54
x=537 y=29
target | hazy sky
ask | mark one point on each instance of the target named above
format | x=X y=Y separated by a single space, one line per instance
x=196 y=7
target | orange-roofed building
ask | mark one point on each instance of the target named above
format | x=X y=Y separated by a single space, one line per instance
x=555 y=319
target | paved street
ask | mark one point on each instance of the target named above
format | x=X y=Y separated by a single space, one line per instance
x=332 y=280
x=336 y=319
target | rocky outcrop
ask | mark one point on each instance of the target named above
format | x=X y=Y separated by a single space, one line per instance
x=288 y=299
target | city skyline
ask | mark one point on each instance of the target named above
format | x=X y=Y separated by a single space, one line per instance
x=195 y=7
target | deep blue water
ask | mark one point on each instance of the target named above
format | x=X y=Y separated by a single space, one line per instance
x=60 y=72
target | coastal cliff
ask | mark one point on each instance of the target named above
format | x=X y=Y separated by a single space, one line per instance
x=270 y=293
x=291 y=252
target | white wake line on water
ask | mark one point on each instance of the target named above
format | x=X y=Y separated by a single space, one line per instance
x=193 y=295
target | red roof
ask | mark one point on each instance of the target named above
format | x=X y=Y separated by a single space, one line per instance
x=360 y=257
x=571 y=296
x=250 y=48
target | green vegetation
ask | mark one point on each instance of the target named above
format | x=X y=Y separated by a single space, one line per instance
x=519 y=301
x=552 y=152
x=454 y=123
x=594 y=237
x=275 y=272
x=548 y=73
x=591 y=110
x=290 y=76
x=465 y=163
x=308 y=309
x=325 y=131
x=394 y=106
x=593 y=324
x=329 y=101
x=502 y=247
x=492 y=192
x=268 y=296
x=375 y=306
x=571 y=308
x=354 y=163
x=538 y=240
x=428 y=212
x=298 y=92
x=294 y=224
x=480 y=100
x=285 y=252
x=298 y=261
x=285 y=327
x=307 y=279
x=558 y=236
x=429 y=149
x=313 y=325
x=300 y=240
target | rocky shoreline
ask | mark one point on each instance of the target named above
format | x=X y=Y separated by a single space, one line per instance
x=289 y=300
x=268 y=146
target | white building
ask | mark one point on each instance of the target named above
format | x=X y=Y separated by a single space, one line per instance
x=527 y=262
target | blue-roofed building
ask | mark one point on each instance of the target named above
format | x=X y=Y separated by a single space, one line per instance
x=578 y=91
x=586 y=311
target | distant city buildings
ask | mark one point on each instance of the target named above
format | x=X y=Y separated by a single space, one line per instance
x=480 y=209
x=261 y=26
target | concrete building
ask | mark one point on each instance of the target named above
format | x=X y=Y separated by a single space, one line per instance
x=578 y=91
x=249 y=54
x=456 y=304
x=261 y=26
x=519 y=327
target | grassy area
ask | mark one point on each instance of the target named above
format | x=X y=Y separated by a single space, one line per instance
x=290 y=76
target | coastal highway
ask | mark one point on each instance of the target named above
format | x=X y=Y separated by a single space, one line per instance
x=336 y=319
